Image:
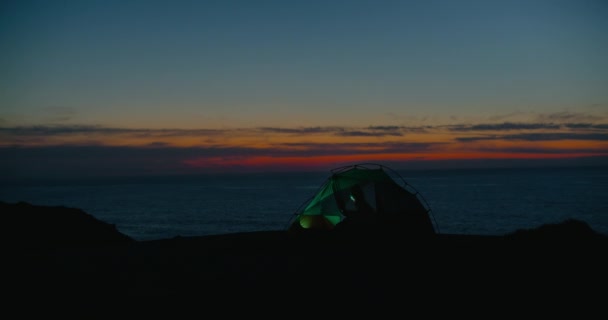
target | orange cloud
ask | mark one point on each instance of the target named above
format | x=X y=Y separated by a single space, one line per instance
x=320 y=147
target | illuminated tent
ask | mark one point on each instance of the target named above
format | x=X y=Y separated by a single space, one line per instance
x=393 y=203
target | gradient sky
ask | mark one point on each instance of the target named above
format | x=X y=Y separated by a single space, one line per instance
x=117 y=87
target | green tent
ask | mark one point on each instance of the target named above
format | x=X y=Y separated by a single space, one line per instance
x=390 y=202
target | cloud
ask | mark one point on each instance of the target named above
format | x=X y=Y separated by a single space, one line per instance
x=48 y=131
x=385 y=128
x=274 y=140
x=299 y=130
x=504 y=126
x=158 y=144
x=586 y=126
x=540 y=137
x=371 y=131
x=58 y=130
x=380 y=131
x=513 y=126
x=88 y=129
x=506 y=116
x=566 y=116
x=157 y=157
x=358 y=133
x=536 y=150
x=349 y=148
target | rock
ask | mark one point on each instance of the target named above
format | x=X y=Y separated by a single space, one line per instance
x=34 y=226
x=570 y=229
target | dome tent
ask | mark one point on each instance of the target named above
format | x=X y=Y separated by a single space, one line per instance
x=390 y=202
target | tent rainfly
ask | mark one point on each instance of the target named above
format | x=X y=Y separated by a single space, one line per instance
x=390 y=203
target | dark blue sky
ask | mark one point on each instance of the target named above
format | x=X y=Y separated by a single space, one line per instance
x=282 y=83
x=249 y=63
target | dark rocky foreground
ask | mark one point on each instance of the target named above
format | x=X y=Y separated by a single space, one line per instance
x=73 y=263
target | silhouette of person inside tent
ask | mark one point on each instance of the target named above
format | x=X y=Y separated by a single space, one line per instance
x=360 y=215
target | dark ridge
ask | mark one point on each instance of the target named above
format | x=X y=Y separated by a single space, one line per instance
x=62 y=263
x=37 y=226
x=570 y=229
x=34 y=226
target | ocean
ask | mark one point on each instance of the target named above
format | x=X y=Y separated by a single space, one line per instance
x=462 y=201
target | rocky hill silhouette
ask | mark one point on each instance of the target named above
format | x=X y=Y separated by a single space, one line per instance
x=64 y=254
x=35 y=226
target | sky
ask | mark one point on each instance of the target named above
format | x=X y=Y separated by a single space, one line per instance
x=167 y=87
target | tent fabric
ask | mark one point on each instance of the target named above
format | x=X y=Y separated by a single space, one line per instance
x=388 y=203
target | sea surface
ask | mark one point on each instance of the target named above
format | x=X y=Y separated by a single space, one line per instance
x=462 y=201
